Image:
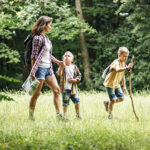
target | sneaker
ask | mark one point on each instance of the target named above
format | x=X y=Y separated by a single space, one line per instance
x=110 y=116
x=59 y=116
x=106 y=105
x=78 y=116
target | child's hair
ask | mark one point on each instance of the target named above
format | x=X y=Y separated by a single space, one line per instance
x=70 y=53
x=123 y=50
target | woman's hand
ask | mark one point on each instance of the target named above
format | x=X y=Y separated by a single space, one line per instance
x=32 y=77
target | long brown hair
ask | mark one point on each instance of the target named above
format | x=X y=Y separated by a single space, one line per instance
x=41 y=24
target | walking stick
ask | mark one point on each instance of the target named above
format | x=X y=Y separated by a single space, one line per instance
x=130 y=71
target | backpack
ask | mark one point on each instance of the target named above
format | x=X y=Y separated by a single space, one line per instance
x=28 y=47
x=108 y=70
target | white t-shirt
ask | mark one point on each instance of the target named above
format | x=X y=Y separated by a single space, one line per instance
x=69 y=74
x=45 y=61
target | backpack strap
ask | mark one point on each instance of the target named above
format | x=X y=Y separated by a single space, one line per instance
x=43 y=42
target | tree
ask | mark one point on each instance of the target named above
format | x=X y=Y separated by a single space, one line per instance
x=85 y=54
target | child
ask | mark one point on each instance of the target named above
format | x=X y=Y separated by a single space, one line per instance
x=69 y=77
x=112 y=80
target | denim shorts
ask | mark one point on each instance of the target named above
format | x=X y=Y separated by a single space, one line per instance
x=66 y=96
x=114 y=93
x=43 y=73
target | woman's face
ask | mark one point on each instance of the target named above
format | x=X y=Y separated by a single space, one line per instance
x=48 y=27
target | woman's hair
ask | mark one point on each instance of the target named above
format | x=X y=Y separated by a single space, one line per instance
x=41 y=24
x=123 y=50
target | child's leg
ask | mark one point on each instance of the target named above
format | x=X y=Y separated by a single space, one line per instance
x=76 y=101
x=112 y=98
x=110 y=106
x=65 y=98
x=118 y=100
x=116 y=96
x=77 y=107
x=65 y=110
x=119 y=94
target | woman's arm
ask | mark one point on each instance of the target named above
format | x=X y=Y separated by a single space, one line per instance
x=56 y=61
x=36 y=45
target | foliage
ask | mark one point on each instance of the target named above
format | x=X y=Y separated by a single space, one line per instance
x=108 y=25
x=5 y=98
x=12 y=56
x=9 y=79
x=139 y=18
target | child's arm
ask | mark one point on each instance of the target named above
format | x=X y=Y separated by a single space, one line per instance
x=60 y=69
x=124 y=84
x=77 y=78
x=118 y=69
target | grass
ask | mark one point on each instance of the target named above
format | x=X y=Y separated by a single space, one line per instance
x=94 y=132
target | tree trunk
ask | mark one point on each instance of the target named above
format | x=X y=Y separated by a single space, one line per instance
x=85 y=54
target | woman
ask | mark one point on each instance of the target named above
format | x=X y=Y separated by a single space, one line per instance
x=41 y=63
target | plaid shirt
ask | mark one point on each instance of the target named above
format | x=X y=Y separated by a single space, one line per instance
x=77 y=75
x=36 y=45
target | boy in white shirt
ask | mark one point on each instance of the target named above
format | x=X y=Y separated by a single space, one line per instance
x=69 y=77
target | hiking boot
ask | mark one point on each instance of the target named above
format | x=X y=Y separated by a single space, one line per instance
x=110 y=116
x=78 y=116
x=106 y=105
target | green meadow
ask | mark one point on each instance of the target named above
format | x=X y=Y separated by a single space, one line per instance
x=93 y=132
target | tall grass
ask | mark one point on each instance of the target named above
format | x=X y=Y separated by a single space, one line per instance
x=93 y=132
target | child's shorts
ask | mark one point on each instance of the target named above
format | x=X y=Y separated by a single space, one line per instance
x=43 y=73
x=67 y=96
x=115 y=93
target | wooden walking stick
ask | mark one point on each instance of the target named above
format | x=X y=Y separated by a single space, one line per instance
x=130 y=71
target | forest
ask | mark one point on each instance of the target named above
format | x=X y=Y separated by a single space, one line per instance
x=92 y=30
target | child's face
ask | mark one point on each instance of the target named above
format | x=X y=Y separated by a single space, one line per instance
x=68 y=58
x=123 y=57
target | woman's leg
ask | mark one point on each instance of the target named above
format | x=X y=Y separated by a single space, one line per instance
x=53 y=84
x=34 y=98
